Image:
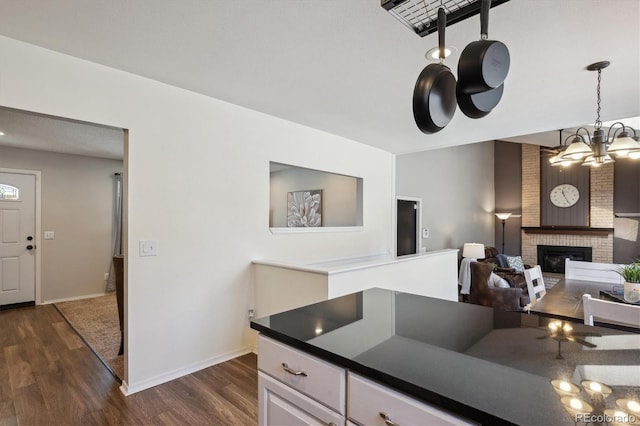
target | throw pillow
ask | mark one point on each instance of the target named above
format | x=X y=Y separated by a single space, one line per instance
x=502 y=261
x=516 y=263
x=496 y=281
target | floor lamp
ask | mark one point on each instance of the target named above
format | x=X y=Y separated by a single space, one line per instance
x=503 y=217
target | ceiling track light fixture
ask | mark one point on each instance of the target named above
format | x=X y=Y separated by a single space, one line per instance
x=594 y=150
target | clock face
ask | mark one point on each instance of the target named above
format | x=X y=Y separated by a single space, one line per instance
x=564 y=195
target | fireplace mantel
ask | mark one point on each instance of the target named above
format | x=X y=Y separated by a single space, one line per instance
x=567 y=230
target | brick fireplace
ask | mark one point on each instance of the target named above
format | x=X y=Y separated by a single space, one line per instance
x=600 y=212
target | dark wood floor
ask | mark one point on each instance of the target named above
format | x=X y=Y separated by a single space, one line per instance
x=49 y=377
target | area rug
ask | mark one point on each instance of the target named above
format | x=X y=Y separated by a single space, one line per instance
x=96 y=321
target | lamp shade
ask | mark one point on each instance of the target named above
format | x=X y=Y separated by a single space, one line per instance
x=622 y=145
x=597 y=161
x=503 y=216
x=577 y=150
x=557 y=160
x=473 y=250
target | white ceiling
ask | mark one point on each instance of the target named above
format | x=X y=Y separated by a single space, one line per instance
x=347 y=66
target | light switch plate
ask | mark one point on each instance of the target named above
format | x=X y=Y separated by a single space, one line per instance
x=425 y=232
x=148 y=248
x=49 y=235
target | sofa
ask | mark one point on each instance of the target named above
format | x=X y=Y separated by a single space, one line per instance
x=501 y=268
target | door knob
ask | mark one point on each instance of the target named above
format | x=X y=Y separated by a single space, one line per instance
x=29 y=247
x=29 y=238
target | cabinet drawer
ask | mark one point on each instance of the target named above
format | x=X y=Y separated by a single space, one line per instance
x=281 y=405
x=320 y=380
x=367 y=400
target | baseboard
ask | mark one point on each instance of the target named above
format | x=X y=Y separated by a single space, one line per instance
x=124 y=388
x=69 y=299
x=128 y=389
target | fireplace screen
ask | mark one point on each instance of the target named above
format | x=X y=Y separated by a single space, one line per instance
x=552 y=258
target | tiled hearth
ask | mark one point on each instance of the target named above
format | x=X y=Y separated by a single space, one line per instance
x=601 y=211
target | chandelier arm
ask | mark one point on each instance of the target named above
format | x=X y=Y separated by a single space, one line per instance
x=580 y=136
x=610 y=137
x=616 y=131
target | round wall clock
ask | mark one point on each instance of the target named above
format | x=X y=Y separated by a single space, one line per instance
x=564 y=195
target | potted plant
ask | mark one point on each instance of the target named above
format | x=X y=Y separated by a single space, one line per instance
x=631 y=275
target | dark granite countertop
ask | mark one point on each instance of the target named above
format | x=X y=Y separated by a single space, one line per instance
x=491 y=366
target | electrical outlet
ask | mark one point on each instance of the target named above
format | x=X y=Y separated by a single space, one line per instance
x=106 y=276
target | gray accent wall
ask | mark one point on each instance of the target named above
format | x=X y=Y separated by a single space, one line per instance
x=508 y=187
x=456 y=186
x=77 y=204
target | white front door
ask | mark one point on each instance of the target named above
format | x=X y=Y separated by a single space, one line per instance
x=17 y=238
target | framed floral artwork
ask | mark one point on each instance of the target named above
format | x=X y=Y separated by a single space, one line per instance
x=304 y=208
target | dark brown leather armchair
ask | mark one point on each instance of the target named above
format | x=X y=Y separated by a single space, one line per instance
x=501 y=268
x=507 y=299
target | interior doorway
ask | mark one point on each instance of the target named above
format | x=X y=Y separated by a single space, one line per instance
x=408 y=224
x=74 y=164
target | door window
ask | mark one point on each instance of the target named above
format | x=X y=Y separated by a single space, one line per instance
x=8 y=192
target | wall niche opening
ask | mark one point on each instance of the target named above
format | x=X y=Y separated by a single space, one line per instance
x=308 y=200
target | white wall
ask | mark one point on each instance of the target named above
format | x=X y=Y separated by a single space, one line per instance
x=197 y=181
x=457 y=191
x=77 y=204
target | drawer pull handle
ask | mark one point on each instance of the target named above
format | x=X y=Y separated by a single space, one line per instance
x=387 y=419
x=286 y=368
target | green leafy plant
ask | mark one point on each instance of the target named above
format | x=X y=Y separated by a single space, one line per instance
x=630 y=272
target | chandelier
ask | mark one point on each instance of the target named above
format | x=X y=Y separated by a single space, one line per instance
x=594 y=150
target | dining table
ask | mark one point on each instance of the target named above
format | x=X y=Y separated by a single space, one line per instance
x=564 y=301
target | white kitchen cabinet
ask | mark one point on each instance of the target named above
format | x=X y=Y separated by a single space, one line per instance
x=369 y=403
x=318 y=379
x=281 y=405
x=296 y=388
